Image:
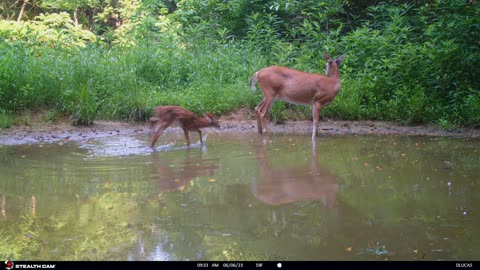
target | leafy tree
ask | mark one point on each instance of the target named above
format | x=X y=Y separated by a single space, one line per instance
x=70 y=5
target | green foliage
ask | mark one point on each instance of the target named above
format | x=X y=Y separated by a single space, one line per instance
x=277 y=112
x=348 y=103
x=409 y=62
x=5 y=119
x=68 y=4
x=54 y=30
x=445 y=124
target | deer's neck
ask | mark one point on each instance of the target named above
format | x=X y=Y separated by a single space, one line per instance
x=201 y=122
x=334 y=74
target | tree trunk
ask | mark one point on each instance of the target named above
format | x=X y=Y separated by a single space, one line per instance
x=22 y=10
x=75 y=17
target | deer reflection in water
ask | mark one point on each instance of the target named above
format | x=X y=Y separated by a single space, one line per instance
x=286 y=185
x=3 y=206
x=172 y=176
x=4 y=202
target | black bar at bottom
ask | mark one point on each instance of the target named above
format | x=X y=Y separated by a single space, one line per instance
x=260 y=265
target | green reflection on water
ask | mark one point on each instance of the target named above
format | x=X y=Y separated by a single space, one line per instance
x=241 y=197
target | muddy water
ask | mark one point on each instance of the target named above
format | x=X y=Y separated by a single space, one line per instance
x=240 y=197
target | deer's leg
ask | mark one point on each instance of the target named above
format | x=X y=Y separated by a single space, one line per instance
x=200 y=134
x=158 y=132
x=258 y=109
x=187 y=136
x=317 y=107
x=264 y=112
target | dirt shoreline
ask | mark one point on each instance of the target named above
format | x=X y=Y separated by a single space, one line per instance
x=64 y=132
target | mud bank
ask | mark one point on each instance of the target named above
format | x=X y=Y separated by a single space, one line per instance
x=64 y=132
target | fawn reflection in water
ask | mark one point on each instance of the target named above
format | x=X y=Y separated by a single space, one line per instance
x=170 y=175
x=284 y=185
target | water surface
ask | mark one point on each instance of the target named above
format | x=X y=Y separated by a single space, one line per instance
x=242 y=197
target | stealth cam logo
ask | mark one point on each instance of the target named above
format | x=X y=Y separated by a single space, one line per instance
x=8 y=265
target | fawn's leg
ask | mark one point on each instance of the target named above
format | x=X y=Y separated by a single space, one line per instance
x=187 y=136
x=200 y=134
x=158 y=132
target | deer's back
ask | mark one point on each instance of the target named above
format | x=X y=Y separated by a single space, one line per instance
x=279 y=76
x=294 y=86
x=173 y=113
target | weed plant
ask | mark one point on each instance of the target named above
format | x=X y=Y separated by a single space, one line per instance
x=408 y=63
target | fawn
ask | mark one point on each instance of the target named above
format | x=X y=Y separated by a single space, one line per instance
x=165 y=116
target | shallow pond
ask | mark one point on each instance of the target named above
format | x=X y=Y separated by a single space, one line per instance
x=242 y=197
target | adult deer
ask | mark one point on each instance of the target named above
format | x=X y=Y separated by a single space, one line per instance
x=296 y=87
x=165 y=116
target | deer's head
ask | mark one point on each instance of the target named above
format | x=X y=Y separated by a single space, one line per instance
x=211 y=118
x=331 y=68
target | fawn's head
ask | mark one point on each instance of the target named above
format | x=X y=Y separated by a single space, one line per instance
x=212 y=119
x=153 y=121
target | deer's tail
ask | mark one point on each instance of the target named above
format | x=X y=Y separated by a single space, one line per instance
x=253 y=80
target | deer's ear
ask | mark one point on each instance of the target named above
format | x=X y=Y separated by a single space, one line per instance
x=327 y=57
x=210 y=115
x=339 y=59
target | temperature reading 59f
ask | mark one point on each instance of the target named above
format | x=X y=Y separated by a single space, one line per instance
x=257 y=265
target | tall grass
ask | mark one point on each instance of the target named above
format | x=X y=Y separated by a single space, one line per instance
x=408 y=63
x=126 y=83
x=5 y=119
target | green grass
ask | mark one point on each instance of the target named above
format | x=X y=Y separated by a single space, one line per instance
x=126 y=84
x=384 y=77
x=5 y=119
x=408 y=63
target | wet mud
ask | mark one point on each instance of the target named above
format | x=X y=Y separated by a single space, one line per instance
x=64 y=132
